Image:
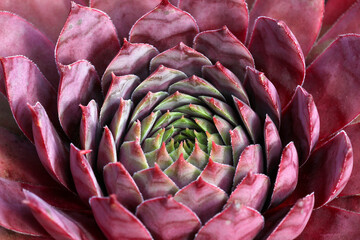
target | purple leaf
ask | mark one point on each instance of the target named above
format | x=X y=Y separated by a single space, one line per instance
x=233 y=14
x=84 y=36
x=277 y=53
x=30 y=42
x=339 y=61
x=167 y=219
x=109 y=213
x=25 y=84
x=79 y=84
x=164 y=27
x=305 y=24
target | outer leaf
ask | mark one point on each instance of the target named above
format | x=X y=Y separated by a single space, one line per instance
x=54 y=221
x=164 y=27
x=347 y=23
x=327 y=171
x=277 y=53
x=20 y=162
x=84 y=178
x=352 y=186
x=292 y=223
x=14 y=215
x=49 y=17
x=119 y=182
x=305 y=24
x=109 y=213
x=84 y=36
x=30 y=42
x=124 y=13
x=89 y=130
x=287 y=175
x=333 y=10
x=203 y=198
x=339 y=61
x=51 y=150
x=236 y=222
x=233 y=54
x=332 y=223
x=233 y=14
x=26 y=84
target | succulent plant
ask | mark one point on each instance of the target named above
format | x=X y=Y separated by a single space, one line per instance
x=158 y=119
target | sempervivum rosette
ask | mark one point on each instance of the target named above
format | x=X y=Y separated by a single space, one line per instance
x=203 y=122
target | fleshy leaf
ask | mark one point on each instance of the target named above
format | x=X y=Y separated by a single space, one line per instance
x=131 y=59
x=147 y=104
x=333 y=10
x=263 y=95
x=119 y=121
x=278 y=54
x=132 y=156
x=221 y=108
x=233 y=54
x=181 y=57
x=56 y=223
x=287 y=175
x=218 y=174
x=251 y=191
x=107 y=150
x=239 y=141
x=347 y=23
x=84 y=178
x=305 y=24
x=153 y=182
x=351 y=187
x=182 y=172
x=30 y=42
x=251 y=160
x=119 y=182
x=20 y=162
x=342 y=56
x=79 y=84
x=84 y=36
x=331 y=223
x=109 y=212
x=221 y=154
x=223 y=79
x=124 y=13
x=195 y=86
x=164 y=27
x=14 y=215
x=159 y=80
x=331 y=165
x=290 y=225
x=175 y=100
x=51 y=150
x=203 y=198
x=233 y=14
x=237 y=222
x=25 y=84
x=250 y=119
x=89 y=130
x=273 y=146
x=120 y=88
x=302 y=128
x=167 y=219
